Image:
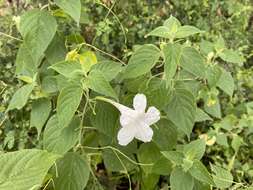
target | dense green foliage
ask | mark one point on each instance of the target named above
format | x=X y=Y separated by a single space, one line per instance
x=58 y=58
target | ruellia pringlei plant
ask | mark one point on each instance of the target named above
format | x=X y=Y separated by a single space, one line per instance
x=98 y=117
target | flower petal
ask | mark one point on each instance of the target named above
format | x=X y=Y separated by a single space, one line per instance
x=140 y=102
x=125 y=135
x=152 y=116
x=125 y=120
x=144 y=133
x=124 y=110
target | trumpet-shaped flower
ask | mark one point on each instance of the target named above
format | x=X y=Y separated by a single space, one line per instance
x=135 y=123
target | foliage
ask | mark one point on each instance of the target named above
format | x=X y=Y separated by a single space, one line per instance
x=61 y=58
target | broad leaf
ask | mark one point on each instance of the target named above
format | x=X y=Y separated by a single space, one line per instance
x=185 y=31
x=145 y=157
x=182 y=110
x=68 y=69
x=20 y=97
x=174 y=156
x=142 y=61
x=180 y=180
x=165 y=135
x=231 y=56
x=25 y=169
x=73 y=172
x=58 y=139
x=195 y=149
x=226 y=83
x=110 y=69
x=222 y=178
x=97 y=82
x=193 y=62
x=67 y=103
x=202 y=116
x=171 y=58
x=39 y=114
x=71 y=7
x=38 y=29
x=199 y=171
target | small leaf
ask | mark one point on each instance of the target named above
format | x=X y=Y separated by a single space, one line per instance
x=195 y=149
x=73 y=172
x=87 y=60
x=174 y=156
x=226 y=83
x=71 y=7
x=171 y=58
x=20 y=97
x=39 y=114
x=25 y=169
x=185 y=31
x=38 y=28
x=165 y=135
x=182 y=110
x=231 y=56
x=67 y=103
x=97 y=82
x=68 y=69
x=193 y=62
x=58 y=139
x=222 y=177
x=110 y=69
x=202 y=116
x=142 y=61
x=160 y=31
x=199 y=171
x=145 y=157
x=180 y=180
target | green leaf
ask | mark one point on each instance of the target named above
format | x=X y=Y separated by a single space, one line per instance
x=160 y=31
x=199 y=171
x=182 y=110
x=222 y=139
x=231 y=56
x=71 y=7
x=58 y=139
x=68 y=69
x=149 y=182
x=180 y=180
x=172 y=23
x=171 y=58
x=174 y=156
x=106 y=119
x=213 y=109
x=39 y=114
x=168 y=29
x=222 y=177
x=202 y=116
x=142 y=61
x=148 y=154
x=195 y=149
x=162 y=166
x=114 y=161
x=185 y=31
x=97 y=82
x=38 y=29
x=20 y=97
x=165 y=135
x=193 y=62
x=110 y=69
x=73 y=172
x=56 y=50
x=213 y=75
x=226 y=83
x=26 y=63
x=67 y=103
x=24 y=169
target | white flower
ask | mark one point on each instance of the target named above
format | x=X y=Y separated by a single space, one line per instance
x=135 y=123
